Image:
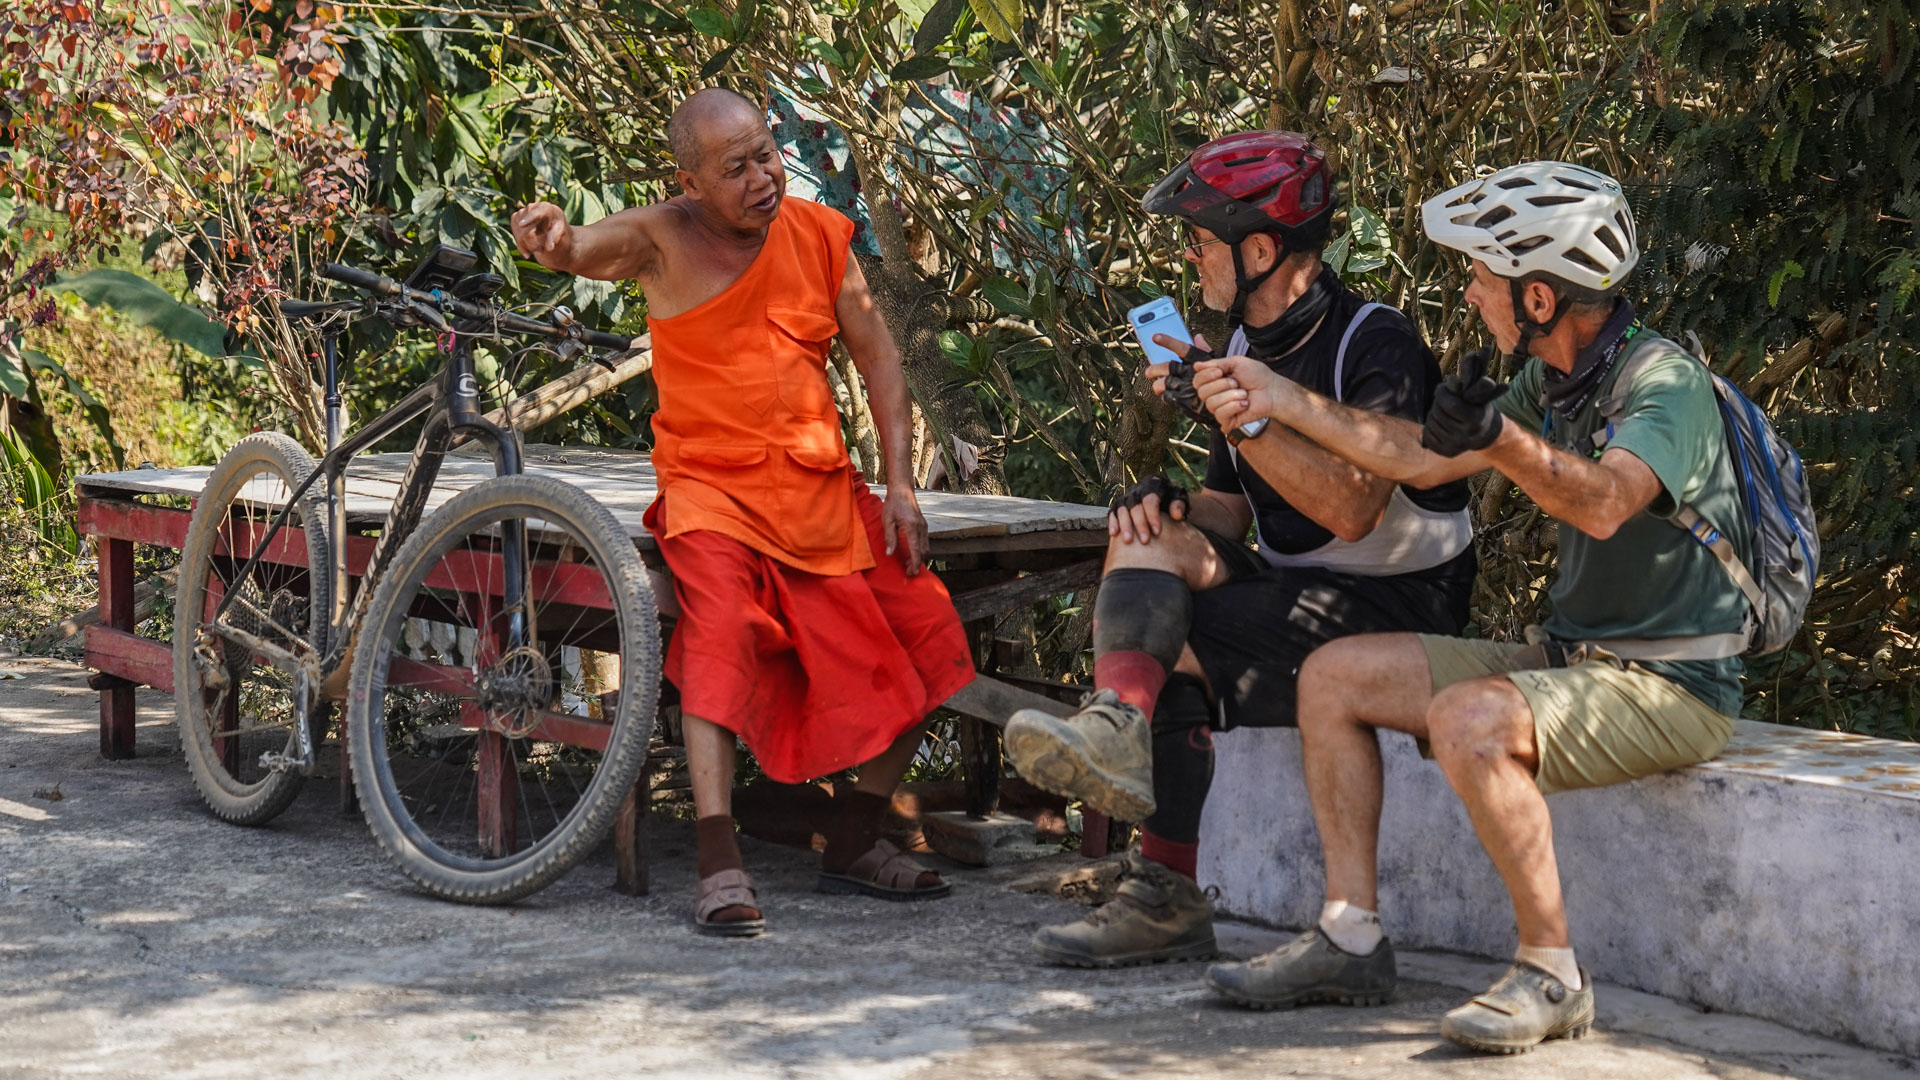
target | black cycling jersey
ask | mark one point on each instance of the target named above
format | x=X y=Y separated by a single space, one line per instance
x=1388 y=369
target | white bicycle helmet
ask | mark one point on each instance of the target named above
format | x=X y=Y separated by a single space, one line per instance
x=1544 y=217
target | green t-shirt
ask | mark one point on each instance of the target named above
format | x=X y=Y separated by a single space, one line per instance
x=1651 y=579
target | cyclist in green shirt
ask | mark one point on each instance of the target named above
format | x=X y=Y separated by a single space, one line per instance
x=1635 y=672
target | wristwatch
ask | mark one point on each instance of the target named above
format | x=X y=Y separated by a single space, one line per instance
x=1248 y=431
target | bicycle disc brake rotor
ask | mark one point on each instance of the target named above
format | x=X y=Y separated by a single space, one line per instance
x=514 y=689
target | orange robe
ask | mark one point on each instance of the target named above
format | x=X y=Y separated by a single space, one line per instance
x=797 y=631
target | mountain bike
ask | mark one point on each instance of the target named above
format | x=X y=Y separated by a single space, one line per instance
x=499 y=657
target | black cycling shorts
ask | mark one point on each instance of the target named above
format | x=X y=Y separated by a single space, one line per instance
x=1252 y=633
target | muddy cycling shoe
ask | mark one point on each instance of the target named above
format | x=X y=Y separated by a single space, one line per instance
x=1309 y=968
x=1155 y=917
x=1525 y=1008
x=1101 y=755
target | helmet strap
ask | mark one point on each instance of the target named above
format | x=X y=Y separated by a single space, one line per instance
x=1529 y=329
x=1244 y=286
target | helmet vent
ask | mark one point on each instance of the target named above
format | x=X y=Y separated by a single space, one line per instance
x=1575 y=182
x=1575 y=255
x=1239 y=161
x=1531 y=242
x=1494 y=217
x=1606 y=236
x=1515 y=182
x=1555 y=200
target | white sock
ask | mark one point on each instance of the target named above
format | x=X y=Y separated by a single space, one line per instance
x=1355 y=929
x=1558 y=963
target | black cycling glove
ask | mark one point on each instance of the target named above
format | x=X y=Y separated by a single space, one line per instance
x=1179 y=391
x=1463 y=417
x=1170 y=493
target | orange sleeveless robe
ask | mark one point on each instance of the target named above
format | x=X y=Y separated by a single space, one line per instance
x=792 y=634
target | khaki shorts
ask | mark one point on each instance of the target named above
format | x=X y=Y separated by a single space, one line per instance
x=1599 y=722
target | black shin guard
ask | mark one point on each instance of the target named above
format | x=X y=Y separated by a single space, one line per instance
x=1182 y=759
x=1149 y=611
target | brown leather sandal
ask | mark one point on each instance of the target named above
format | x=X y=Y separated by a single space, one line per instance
x=885 y=872
x=728 y=888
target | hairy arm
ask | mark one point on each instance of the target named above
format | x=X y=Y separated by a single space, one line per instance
x=1596 y=497
x=864 y=332
x=1340 y=497
x=1239 y=390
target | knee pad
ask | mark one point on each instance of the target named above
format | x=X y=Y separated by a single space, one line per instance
x=1149 y=611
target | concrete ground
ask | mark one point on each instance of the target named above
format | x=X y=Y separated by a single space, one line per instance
x=141 y=938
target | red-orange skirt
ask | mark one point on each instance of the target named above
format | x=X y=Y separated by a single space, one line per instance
x=814 y=673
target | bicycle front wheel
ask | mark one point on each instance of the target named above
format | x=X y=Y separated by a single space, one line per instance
x=492 y=743
x=234 y=703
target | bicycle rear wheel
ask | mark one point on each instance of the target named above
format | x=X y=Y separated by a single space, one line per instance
x=487 y=771
x=232 y=705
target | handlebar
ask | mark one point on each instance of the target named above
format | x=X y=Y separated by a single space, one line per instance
x=384 y=286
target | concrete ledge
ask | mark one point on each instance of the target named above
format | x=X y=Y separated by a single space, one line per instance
x=1778 y=881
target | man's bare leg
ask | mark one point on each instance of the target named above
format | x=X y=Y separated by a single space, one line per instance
x=1482 y=736
x=1347 y=688
x=710 y=773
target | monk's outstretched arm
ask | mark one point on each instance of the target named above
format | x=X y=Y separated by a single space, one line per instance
x=865 y=334
x=615 y=248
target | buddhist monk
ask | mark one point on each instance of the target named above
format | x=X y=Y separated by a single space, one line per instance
x=807 y=628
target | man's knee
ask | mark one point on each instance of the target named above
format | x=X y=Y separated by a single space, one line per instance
x=1332 y=671
x=1477 y=721
x=1180 y=549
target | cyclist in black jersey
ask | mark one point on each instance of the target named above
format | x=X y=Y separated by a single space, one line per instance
x=1195 y=628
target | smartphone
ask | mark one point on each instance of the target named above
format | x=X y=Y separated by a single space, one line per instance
x=1159 y=317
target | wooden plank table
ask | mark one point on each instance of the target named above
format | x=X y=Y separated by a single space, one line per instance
x=997 y=554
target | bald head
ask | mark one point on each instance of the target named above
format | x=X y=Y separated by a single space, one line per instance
x=715 y=109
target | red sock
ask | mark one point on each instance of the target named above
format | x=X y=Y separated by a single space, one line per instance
x=1135 y=676
x=1177 y=857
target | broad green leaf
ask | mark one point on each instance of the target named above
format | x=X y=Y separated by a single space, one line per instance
x=711 y=22
x=13 y=379
x=1369 y=231
x=149 y=305
x=1005 y=294
x=915 y=11
x=957 y=346
x=1779 y=279
x=427 y=198
x=1041 y=298
x=743 y=18
x=1000 y=18
x=916 y=68
x=937 y=25
x=824 y=49
x=718 y=62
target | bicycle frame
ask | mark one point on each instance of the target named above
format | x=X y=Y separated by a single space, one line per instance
x=451 y=404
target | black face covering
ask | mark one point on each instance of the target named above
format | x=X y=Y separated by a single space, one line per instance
x=1567 y=393
x=1285 y=333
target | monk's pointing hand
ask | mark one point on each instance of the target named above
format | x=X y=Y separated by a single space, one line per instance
x=905 y=528
x=541 y=232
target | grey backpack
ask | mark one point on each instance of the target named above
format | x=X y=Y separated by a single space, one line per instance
x=1773 y=491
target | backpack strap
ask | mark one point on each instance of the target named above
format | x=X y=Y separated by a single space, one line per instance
x=1613 y=406
x=1340 y=357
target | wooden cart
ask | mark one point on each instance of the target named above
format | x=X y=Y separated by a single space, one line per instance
x=997 y=555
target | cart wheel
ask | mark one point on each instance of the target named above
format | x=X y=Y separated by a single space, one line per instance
x=486 y=768
x=231 y=704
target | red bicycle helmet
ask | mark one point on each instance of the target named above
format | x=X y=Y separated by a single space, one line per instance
x=1256 y=181
x=1275 y=182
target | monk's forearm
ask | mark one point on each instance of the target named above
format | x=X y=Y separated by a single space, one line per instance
x=892 y=408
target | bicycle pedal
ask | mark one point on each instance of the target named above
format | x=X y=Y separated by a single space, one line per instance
x=275 y=761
